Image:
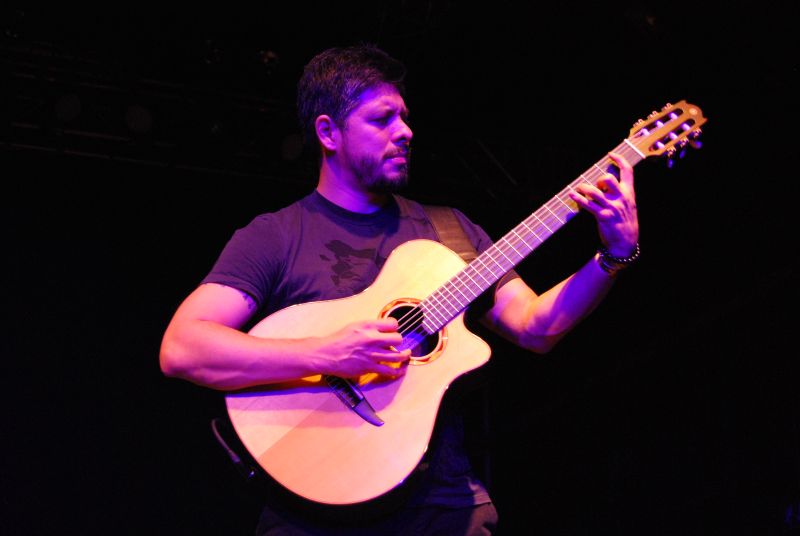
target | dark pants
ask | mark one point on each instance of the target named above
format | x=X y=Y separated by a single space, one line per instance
x=479 y=520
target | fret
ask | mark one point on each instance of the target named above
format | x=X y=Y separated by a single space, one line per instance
x=436 y=312
x=521 y=256
x=497 y=256
x=455 y=293
x=521 y=239
x=490 y=261
x=535 y=235
x=553 y=213
x=439 y=308
x=566 y=204
x=504 y=256
x=458 y=290
x=480 y=260
x=543 y=223
x=465 y=272
x=603 y=171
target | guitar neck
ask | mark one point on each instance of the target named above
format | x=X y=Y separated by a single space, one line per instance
x=449 y=300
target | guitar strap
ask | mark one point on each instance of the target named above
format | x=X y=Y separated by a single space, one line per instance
x=450 y=232
x=447 y=227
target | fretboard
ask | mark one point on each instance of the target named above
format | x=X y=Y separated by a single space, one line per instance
x=449 y=300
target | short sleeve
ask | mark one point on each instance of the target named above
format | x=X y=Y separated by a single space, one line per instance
x=250 y=261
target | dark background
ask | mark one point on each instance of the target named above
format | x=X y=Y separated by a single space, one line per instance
x=134 y=141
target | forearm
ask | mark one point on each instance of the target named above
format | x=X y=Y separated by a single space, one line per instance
x=556 y=312
x=538 y=322
x=216 y=356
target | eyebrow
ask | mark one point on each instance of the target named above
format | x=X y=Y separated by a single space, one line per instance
x=380 y=109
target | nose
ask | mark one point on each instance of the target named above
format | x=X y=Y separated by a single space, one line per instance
x=403 y=134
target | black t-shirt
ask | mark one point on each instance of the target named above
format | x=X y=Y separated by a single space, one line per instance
x=315 y=250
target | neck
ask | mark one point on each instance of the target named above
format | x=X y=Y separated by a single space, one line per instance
x=348 y=194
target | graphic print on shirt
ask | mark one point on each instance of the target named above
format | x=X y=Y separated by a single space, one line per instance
x=352 y=270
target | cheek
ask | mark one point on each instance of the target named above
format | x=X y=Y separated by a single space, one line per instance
x=371 y=149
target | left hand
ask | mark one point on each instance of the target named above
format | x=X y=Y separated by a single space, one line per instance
x=613 y=204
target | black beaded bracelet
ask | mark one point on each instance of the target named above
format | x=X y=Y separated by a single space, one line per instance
x=611 y=264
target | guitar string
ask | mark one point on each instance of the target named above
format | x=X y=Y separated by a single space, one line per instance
x=412 y=320
x=417 y=314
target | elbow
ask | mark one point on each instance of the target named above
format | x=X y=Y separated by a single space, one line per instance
x=168 y=362
x=177 y=361
x=541 y=336
x=172 y=360
x=177 y=353
x=540 y=348
x=540 y=344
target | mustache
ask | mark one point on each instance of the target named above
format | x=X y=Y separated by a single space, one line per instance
x=403 y=151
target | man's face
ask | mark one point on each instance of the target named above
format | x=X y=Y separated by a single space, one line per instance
x=376 y=140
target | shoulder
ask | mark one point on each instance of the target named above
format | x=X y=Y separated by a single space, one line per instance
x=288 y=213
x=428 y=211
x=409 y=207
x=274 y=224
x=447 y=214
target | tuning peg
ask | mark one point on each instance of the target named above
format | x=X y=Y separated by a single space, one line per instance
x=694 y=139
x=671 y=152
x=667 y=106
x=653 y=114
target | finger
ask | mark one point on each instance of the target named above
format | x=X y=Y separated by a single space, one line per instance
x=387 y=370
x=391 y=356
x=582 y=201
x=386 y=340
x=588 y=191
x=609 y=185
x=383 y=325
x=625 y=169
x=590 y=195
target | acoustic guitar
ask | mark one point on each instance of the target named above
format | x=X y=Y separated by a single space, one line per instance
x=344 y=441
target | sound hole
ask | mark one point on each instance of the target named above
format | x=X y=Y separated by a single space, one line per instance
x=421 y=344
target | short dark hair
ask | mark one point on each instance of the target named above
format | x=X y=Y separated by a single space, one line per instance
x=334 y=79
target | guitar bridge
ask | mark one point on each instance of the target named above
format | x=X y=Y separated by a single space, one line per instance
x=353 y=398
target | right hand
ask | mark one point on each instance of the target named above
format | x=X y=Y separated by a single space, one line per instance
x=364 y=347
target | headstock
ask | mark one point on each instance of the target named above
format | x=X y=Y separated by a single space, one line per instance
x=668 y=131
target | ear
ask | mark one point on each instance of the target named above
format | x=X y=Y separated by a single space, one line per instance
x=327 y=132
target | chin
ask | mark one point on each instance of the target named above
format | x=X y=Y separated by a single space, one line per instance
x=388 y=185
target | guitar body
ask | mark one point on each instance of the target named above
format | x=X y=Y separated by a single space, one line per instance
x=308 y=440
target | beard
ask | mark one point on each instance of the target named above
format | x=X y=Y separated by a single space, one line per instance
x=371 y=176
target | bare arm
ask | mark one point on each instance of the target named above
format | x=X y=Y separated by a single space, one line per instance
x=203 y=344
x=538 y=322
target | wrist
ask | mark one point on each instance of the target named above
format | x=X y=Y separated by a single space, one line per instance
x=612 y=264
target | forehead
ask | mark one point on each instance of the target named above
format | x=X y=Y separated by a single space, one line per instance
x=380 y=97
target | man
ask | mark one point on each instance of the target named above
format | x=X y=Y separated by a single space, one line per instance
x=332 y=244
